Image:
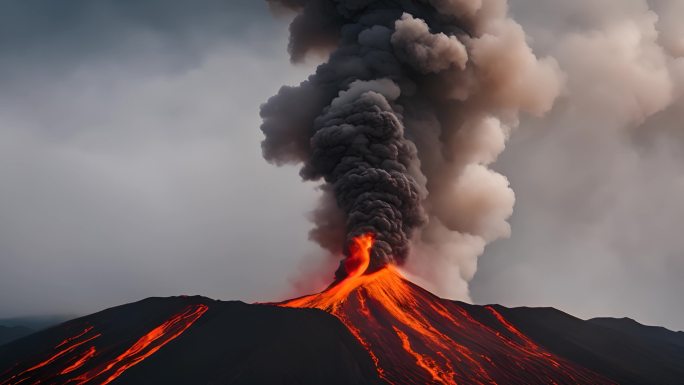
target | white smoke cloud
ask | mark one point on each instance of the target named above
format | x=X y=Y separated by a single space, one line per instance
x=601 y=174
x=468 y=202
x=586 y=95
x=427 y=52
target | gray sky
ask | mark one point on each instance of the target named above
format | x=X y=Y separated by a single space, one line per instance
x=131 y=167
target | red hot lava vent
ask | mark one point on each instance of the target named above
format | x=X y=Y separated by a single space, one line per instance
x=415 y=337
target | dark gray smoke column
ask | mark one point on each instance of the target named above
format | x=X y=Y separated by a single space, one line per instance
x=359 y=149
x=416 y=99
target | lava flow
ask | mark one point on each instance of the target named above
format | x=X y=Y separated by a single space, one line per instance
x=415 y=337
x=32 y=374
x=146 y=346
x=79 y=354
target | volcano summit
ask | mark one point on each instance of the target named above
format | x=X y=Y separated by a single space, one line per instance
x=398 y=126
x=375 y=328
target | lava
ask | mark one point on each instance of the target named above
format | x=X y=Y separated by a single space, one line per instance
x=67 y=346
x=77 y=336
x=414 y=337
x=411 y=336
x=90 y=353
x=79 y=354
x=359 y=259
x=146 y=346
x=61 y=353
x=355 y=265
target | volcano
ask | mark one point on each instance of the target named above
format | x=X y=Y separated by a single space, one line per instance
x=375 y=328
x=414 y=337
x=368 y=327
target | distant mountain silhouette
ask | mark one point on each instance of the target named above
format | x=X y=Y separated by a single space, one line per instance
x=621 y=349
x=15 y=328
x=635 y=329
x=11 y=333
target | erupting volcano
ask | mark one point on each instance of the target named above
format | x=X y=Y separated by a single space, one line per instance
x=398 y=126
x=414 y=337
x=370 y=327
x=401 y=122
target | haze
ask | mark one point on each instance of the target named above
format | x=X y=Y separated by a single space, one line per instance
x=131 y=164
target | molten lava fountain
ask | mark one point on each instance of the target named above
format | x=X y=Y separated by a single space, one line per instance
x=415 y=337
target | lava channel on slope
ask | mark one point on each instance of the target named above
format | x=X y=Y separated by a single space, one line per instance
x=415 y=337
x=78 y=360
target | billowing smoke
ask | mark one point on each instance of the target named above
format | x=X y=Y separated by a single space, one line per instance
x=599 y=179
x=416 y=100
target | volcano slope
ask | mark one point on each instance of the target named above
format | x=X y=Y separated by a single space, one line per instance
x=190 y=340
x=373 y=329
x=415 y=337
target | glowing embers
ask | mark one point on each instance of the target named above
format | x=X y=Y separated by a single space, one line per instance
x=414 y=337
x=79 y=354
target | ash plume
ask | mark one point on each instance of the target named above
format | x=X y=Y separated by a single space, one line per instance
x=608 y=191
x=402 y=121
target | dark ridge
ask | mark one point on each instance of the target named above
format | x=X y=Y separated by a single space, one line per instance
x=634 y=328
x=232 y=342
x=624 y=351
x=238 y=343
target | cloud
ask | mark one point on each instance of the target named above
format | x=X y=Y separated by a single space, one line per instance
x=122 y=123
x=598 y=182
x=123 y=149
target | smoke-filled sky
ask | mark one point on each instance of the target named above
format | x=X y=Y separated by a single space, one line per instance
x=131 y=164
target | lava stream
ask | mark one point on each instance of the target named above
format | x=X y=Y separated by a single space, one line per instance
x=79 y=354
x=67 y=346
x=90 y=353
x=414 y=337
x=77 y=336
x=146 y=346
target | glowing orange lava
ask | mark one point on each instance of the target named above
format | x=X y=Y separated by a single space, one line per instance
x=355 y=265
x=77 y=352
x=77 y=336
x=90 y=353
x=414 y=337
x=67 y=346
x=61 y=353
x=359 y=259
x=146 y=346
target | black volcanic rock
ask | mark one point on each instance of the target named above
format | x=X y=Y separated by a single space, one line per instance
x=417 y=338
x=238 y=343
x=215 y=342
x=232 y=343
x=623 y=350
